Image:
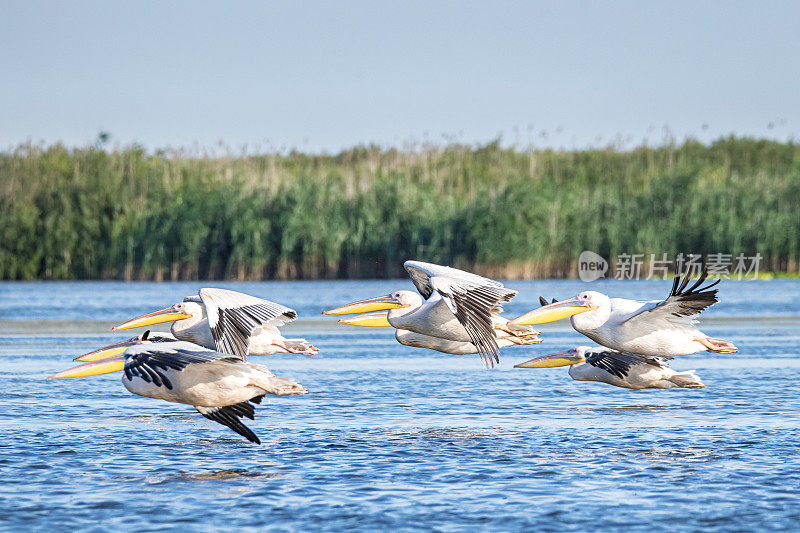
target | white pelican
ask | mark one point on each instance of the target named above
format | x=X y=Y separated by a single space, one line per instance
x=459 y=306
x=625 y=370
x=222 y=387
x=228 y=321
x=411 y=338
x=656 y=328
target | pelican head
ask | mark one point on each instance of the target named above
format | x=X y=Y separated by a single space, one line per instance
x=582 y=303
x=395 y=300
x=570 y=357
x=179 y=311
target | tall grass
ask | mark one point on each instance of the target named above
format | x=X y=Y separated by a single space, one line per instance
x=93 y=213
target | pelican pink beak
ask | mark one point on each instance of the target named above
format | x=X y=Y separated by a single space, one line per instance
x=107 y=365
x=552 y=312
x=381 y=303
x=551 y=361
x=168 y=314
x=108 y=351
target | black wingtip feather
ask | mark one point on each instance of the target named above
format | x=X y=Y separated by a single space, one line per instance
x=619 y=363
x=675 y=280
x=610 y=362
x=683 y=284
x=229 y=416
x=696 y=298
x=700 y=280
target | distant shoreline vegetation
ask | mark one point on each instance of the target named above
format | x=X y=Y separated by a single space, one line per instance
x=92 y=213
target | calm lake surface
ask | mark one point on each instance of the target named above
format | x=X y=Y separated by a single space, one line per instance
x=397 y=437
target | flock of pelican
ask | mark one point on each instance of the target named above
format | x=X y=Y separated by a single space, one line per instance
x=203 y=362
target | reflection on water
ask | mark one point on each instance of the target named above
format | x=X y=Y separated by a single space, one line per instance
x=621 y=408
x=400 y=438
x=456 y=434
x=227 y=475
x=681 y=454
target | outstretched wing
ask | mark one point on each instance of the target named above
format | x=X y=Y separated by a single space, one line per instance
x=149 y=361
x=619 y=363
x=683 y=304
x=471 y=298
x=231 y=416
x=233 y=316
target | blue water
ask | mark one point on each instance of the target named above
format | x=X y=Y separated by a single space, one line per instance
x=396 y=437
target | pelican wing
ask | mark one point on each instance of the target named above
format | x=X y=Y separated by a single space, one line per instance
x=421 y=274
x=233 y=317
x=620 y=363
x=149 y=361
x=231 y=415
x=471 y=298
x=682 y=305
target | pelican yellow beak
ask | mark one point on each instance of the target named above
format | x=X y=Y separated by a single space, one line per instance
x=381 y=303
x=108 y=351
x=552 y=312
x=552 y=361
x=103 y=366
x=372 y=320
x=164 y=315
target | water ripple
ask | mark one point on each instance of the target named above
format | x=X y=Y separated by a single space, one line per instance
x=400 y=438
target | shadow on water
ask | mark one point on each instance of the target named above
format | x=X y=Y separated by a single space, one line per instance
x=687 y=454
x=228 y=474
x=613 y=409
x=236 y=474
x=452 y=434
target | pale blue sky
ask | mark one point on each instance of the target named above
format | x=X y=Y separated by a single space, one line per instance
x=326 y=75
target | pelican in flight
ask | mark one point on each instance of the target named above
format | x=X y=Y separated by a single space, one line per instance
x=620 y=369
x=458 y=306
x=222 y=387
x=417 y=340
x=230 y=322
x=656 y=328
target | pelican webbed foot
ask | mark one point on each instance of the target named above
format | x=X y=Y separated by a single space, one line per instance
x=718 y=345
x=308 y=350
x=530 y=339
x=299 y=346
x=518 y=332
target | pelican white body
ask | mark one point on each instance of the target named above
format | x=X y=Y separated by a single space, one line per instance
x=639 y=377
x=431 y=317
x=412 y=338
x=663 y=335
x=209 y=384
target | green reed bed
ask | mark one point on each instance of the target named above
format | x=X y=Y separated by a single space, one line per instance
x=90 y=213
